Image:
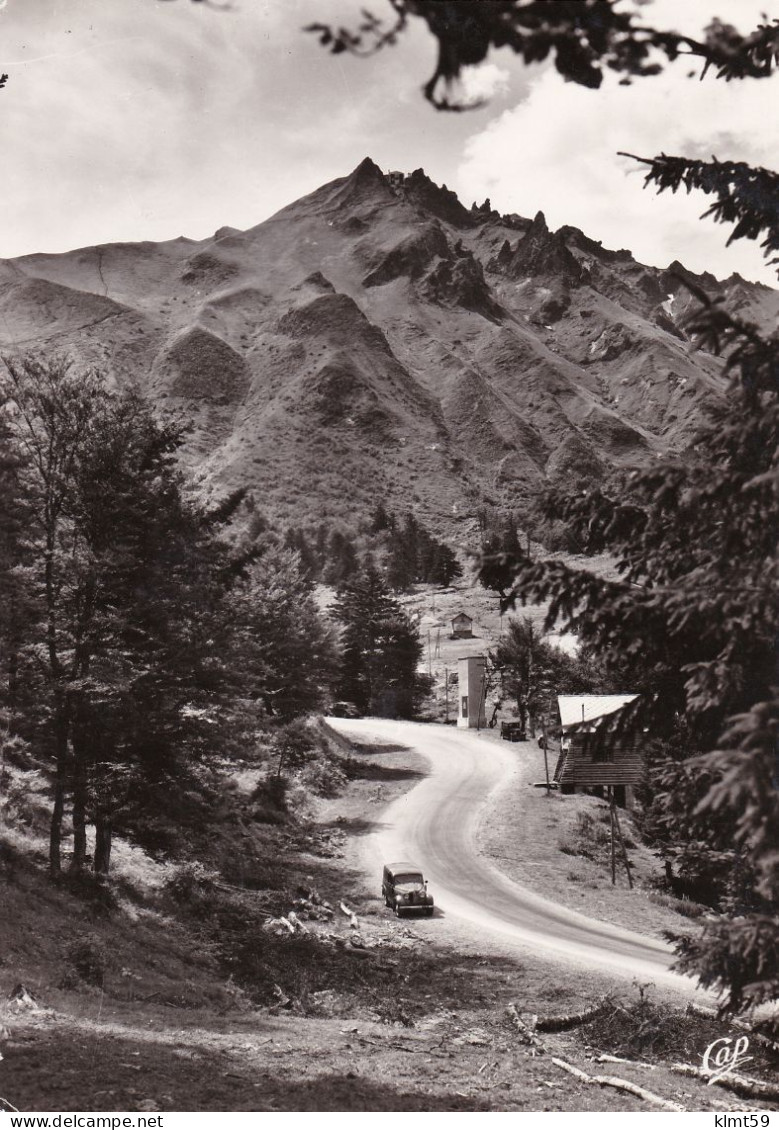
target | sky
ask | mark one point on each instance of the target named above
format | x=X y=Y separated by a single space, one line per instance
x=129 y=120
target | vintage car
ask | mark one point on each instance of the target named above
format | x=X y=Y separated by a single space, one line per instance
x=345 y=710
x=405 y=889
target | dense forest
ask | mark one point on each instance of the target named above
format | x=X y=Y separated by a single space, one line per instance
x=147 y=639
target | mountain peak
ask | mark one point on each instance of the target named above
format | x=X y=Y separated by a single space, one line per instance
x=375 y=339
x=437 y=199
x=367 y=171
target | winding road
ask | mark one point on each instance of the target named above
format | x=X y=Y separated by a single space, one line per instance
x=435 y=824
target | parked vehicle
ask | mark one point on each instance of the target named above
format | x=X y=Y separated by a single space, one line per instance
x=345 y=710
x=405 y=889
x=512 y=732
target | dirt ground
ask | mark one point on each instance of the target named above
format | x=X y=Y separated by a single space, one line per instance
x=366 y=1014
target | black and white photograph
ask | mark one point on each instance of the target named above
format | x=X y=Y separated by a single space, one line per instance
x=389 y=421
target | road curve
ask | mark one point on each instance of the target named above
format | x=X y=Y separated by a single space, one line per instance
x=435 y=826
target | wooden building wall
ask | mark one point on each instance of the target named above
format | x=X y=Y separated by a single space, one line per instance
x=591 y=763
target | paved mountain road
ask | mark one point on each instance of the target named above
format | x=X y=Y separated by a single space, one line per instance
x=435 y=824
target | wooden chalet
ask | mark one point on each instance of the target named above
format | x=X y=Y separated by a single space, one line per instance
x=592 y=758
x=462 y=626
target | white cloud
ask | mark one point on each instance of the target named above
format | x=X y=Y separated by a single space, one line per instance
x=557 y=152
x=144 y=120
x=483 y=82
x=692 y=16
x=121 y=126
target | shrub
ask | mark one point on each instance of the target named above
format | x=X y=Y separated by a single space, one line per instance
x=88 y=961
x=269 y=800
x=684 y=906
x=325 y=777
x=190 y=883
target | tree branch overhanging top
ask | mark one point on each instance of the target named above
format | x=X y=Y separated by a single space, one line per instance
x=585 y=38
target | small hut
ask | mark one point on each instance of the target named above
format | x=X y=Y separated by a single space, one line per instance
x=594 y=759
x=462 y=627
x=396 y=181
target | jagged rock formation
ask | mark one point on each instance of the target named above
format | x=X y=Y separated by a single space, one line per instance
x=378 y=340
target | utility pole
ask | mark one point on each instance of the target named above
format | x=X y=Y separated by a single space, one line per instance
x=546 y=755
x=613 y=838
x=545 y=740
x=446 y=694
x=621 y=842
x=429 y=659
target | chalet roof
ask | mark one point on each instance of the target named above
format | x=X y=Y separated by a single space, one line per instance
x=462 y=616
x=577 y=708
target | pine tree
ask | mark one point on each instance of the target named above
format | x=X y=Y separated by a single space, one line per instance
x=380 y=520
x=342 y=560
x=401 y=563
x=380 y=650
x=16 y=604
x=510 y=540
x=281 y=652
x=444 y=567
x=296 y=540
x=692 y=619
x=119 y=665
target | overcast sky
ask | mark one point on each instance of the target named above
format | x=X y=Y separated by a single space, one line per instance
x=148 y=119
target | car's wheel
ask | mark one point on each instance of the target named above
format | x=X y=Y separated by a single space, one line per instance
x=397 y=911
x=429 y=912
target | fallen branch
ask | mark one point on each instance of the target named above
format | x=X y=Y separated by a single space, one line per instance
x=353 y=952
x=738 y=1084
x=620 y=1085
x=640 y=1092
x=702 y=1010
x=297 y=924
x=575 y=1071
x=572 y=1019
x=355 y=925
x=526 y=1030
x=620 y=1059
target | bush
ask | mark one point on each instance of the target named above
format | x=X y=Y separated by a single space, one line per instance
x=24 y=797
x=10 y=860
x=588 y=838
x=269 y=800
x=251 y=873
x=295 y=745
x=190 y=883
x=683 y=906
x=325 y=777
x=88 y=961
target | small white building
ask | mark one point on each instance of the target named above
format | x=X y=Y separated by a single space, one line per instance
x=462 y=626
x=472 y=684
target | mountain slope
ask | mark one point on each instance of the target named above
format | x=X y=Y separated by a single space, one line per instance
x=378 y=340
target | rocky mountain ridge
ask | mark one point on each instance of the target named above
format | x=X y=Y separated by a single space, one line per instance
x=377 y=340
